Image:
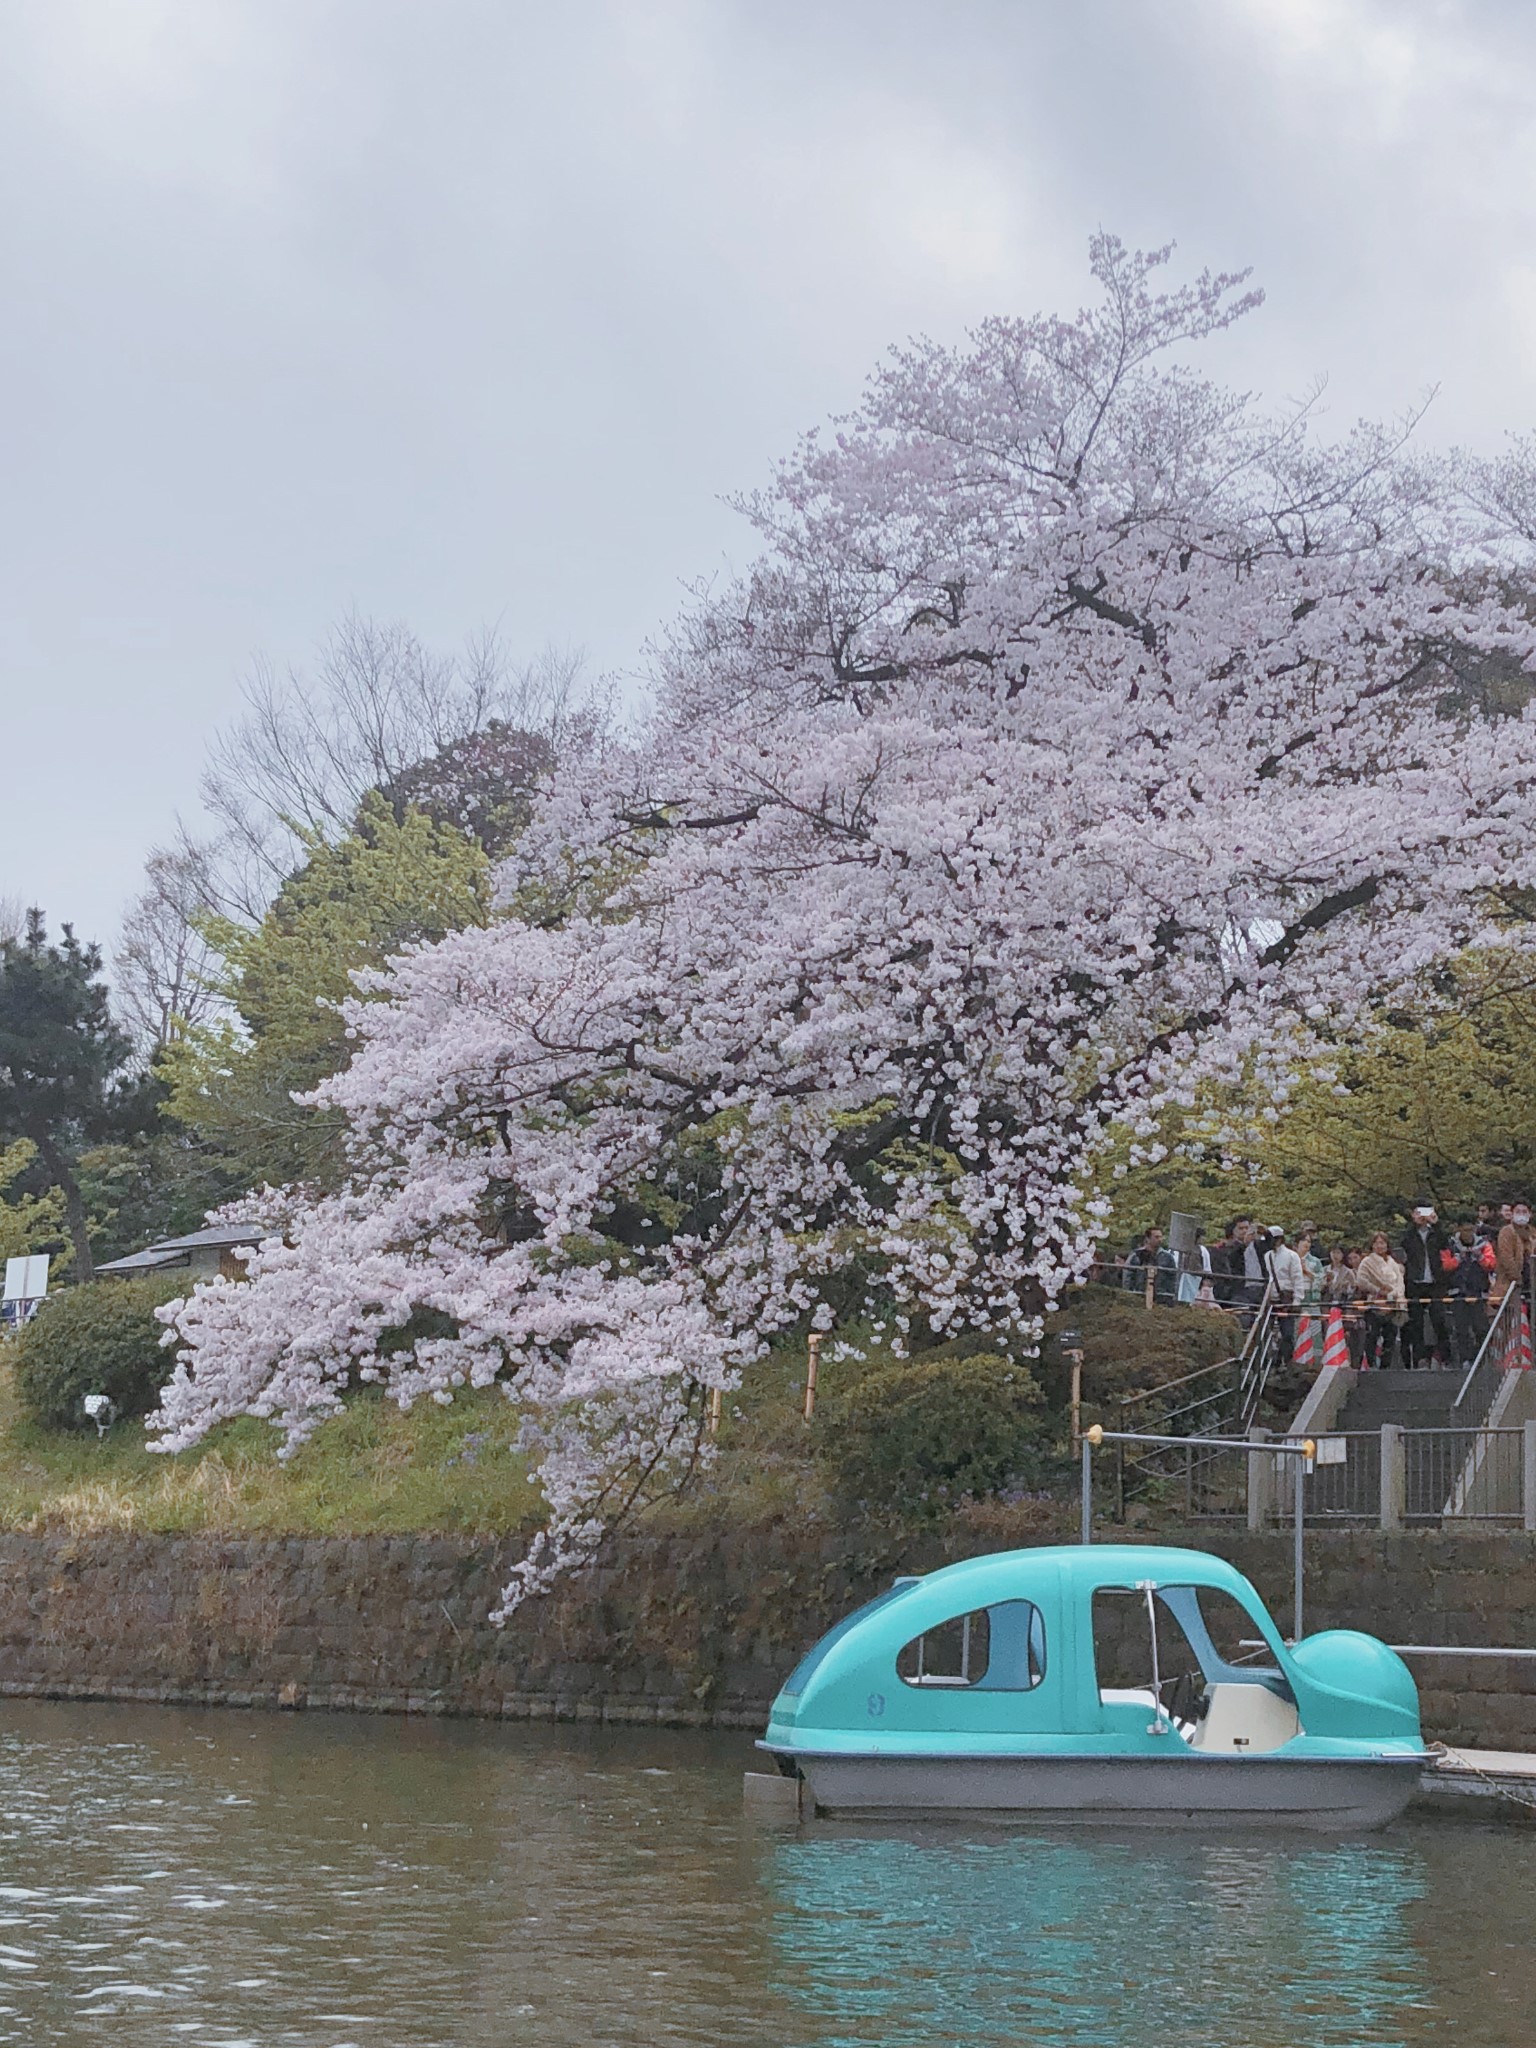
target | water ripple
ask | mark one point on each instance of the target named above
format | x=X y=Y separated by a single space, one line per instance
x=246 y=1881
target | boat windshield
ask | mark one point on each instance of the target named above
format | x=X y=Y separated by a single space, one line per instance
x=800 y=1677
x=1165 y=1647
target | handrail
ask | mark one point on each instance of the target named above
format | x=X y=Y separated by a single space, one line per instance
x=1230 y=1402
x=1257 y=1360
x=1184 y=1380
x=1512 y=1297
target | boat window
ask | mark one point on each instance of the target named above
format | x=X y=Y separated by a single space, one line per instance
x=991 y=1649
x=1123 y=1649
x=1166 y=1647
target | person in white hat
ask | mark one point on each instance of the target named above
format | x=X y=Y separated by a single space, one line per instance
x=1425 y=1283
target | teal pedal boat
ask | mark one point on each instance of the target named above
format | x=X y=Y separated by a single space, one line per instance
x=1113 y=1684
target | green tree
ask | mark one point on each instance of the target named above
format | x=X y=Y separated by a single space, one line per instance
x=63 y=1062
x=1440 y=1102
x=28 y=1222
x=389 y=884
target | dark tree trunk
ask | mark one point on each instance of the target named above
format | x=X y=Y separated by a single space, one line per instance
x=62 y=1175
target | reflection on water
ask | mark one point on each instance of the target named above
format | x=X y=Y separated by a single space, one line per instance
x=224 y=1878
x=1077 y=1940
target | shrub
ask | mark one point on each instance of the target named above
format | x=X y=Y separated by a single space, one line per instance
x=101 y=1338
x=919 y=1435
x=1131 y=1349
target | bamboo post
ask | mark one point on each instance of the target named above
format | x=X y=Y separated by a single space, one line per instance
x=812 y=1358
x=714 y=1411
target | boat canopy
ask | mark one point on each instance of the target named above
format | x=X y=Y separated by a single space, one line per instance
x=1021 y=1644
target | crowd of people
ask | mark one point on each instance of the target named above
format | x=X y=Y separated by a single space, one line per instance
x=1423 y=1299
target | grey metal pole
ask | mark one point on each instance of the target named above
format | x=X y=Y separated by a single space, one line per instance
x=1296 y=1605
x=1087 y=1535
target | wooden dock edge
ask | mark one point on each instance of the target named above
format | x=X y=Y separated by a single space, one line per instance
x=1482 y=1784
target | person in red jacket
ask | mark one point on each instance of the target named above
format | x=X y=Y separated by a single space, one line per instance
x=1468 y=1263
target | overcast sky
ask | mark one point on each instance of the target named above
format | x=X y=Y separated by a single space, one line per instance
x=467 y=311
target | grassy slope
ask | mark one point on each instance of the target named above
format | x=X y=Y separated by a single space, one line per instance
x=371 y=1470
x=453 y=1469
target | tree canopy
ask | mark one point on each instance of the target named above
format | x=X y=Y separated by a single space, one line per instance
x=63 y=1062
x=389 y=885
x=1438 y=1102
x=1080 y=742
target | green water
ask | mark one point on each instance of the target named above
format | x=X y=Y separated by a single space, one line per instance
x=181 y=1877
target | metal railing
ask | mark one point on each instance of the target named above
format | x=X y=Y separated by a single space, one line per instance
x=1485 y=1374
x=1222 y=1399
x=1387 y=1478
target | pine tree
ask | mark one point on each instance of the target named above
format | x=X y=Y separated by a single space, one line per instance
x=62 y=1061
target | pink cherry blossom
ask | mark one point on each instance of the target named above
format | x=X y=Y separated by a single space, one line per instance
x=1080 y=738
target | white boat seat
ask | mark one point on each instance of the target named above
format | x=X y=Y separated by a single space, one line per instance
x=1245 y=1720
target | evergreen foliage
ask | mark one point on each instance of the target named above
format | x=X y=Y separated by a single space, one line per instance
x=917 y=1436
x=387 y=886
x=62 y=1064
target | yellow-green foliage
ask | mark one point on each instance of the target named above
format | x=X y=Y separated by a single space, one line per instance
x=386 y=886
x=29 y=1223
x=1441 y=1105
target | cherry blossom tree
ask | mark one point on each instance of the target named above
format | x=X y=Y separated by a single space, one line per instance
x=1078 y=738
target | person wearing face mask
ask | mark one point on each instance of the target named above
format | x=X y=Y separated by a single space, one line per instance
x=1424 y=1283
x=1514 y=1250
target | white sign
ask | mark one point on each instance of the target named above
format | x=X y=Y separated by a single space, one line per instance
x=26 y=1279
x=1332 y=1450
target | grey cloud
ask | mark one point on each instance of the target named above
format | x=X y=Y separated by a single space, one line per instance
x=474 y=311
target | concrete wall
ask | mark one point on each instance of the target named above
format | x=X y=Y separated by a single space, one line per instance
x=683 y=1631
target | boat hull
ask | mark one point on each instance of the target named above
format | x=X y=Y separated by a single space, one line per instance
x=1206 y=1792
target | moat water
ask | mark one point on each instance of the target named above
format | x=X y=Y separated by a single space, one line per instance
x=338 y=1882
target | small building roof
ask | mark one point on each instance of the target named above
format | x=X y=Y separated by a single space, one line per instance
x=220 y=1234
x=152 y=1261
x=177 y=1251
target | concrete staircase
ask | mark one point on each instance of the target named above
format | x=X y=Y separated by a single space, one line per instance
x=1417 y=1400
x=1414 y=1400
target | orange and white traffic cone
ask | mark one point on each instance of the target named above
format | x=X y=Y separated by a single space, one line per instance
x=1335 y=1344
x=1524 y=1359
x=1303 y=1351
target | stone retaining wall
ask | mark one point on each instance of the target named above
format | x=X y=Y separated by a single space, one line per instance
x=687 y=1631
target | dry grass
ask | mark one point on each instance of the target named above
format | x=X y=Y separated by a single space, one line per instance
x=372 y=1470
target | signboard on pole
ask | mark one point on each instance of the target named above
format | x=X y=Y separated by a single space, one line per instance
x=26 y=1279
x=1184 y=1232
